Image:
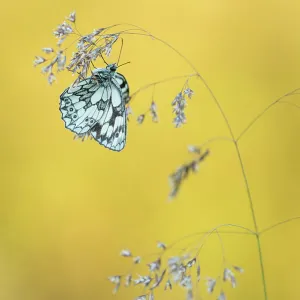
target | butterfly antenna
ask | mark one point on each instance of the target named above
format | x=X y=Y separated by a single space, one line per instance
x=120 y=52
x=103 y=58
x=93 y=65
x=124 y=64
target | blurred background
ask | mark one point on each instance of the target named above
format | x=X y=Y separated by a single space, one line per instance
x=68 y=208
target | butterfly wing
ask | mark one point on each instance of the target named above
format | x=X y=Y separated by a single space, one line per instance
x=98 y=109
x=111 y=129
x=123 y=85
x=79 y=110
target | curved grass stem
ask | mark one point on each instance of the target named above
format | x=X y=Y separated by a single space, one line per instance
x=294 y=92
x=237 y=150
x=278 y=224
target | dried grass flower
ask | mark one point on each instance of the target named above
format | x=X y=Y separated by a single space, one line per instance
x=167 y=271
x=179 y=104
x=184 y=170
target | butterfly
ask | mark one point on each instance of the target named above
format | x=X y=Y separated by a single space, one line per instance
x=96 y=107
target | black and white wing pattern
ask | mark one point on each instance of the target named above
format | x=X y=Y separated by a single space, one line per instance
x=96 y=107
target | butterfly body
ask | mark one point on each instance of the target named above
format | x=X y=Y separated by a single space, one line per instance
x=96 y=107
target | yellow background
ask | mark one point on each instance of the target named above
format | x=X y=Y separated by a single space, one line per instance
x=68 y=208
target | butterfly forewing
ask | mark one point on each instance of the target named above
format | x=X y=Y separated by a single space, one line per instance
x=97 y=108
x=122 y=82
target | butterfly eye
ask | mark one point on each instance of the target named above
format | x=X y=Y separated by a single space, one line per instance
x=68 y=102
x=91 y=121
x=86 y=120
x=117 y=134
x=74 y=116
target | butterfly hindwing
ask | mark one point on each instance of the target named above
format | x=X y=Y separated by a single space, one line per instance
x=97 y=108
x=78 y=111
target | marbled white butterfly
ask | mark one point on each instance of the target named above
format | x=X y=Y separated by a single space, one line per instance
x=96 y=107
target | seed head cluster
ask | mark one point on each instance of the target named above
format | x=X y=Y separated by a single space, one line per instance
x=167 y=272
x=184 y=170
x=89 y=48
x=179 y=104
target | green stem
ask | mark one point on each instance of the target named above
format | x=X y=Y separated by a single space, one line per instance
x=239 y=157
x=235 y=141
x=261 y=265
x=278 y=224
